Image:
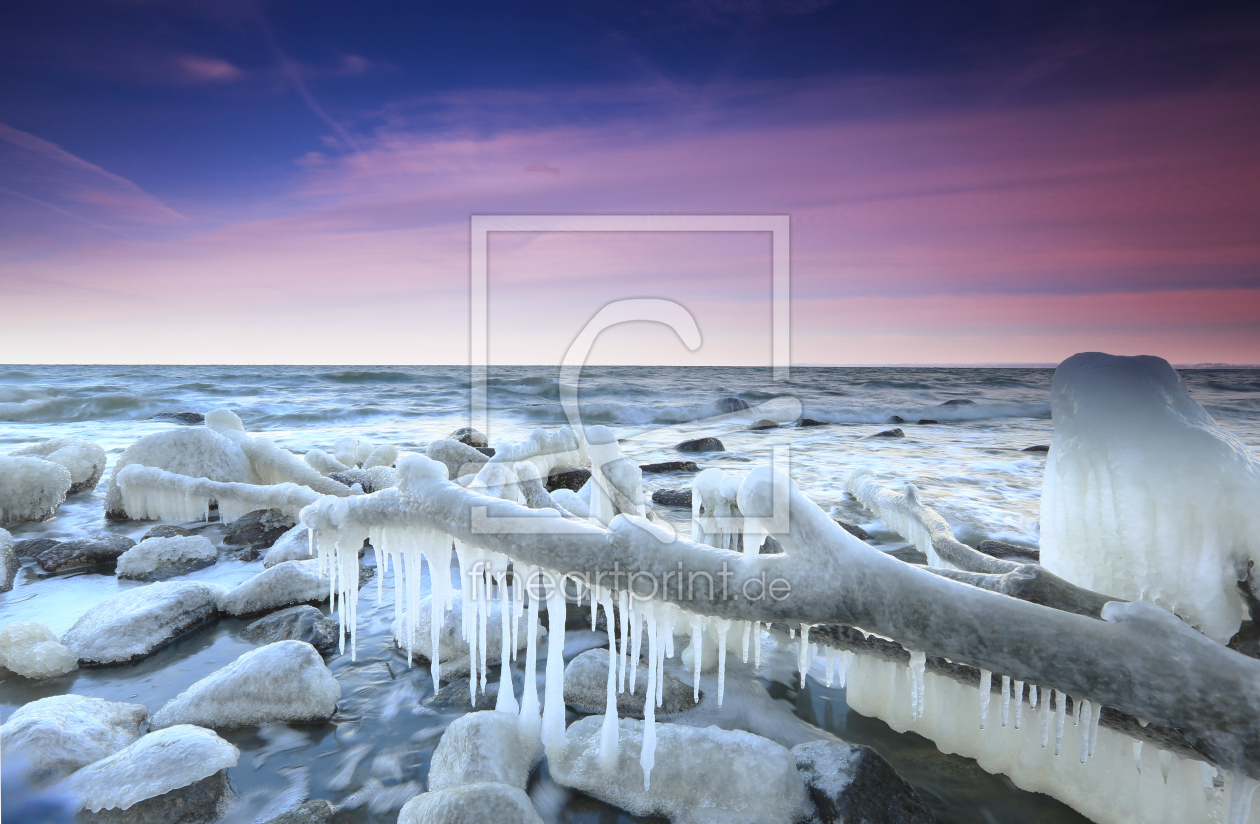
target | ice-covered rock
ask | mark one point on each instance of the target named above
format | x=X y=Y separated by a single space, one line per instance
x=135 y=622
x=482 y=747
x=1145 y=496
x=198 y=452
x=315 y=811
x=469 y=436
x=292 y=582
x=459 y=459
x=85 y=460
x=159 y=763
x=849 y=782
x=57 y=735
x=155 y=559
x=167 y=531
x=382 y=456
x=31 y=650
x=9 y=562
x=300 y=623
x=31 y=489
x=369 y=480
x=571 y=478
x=452 y=648
x=282 y=682
x=294 y=545
x=83 y=552
x=586 y=688
x=260 y=528
x=471 y=804
x=701 y=775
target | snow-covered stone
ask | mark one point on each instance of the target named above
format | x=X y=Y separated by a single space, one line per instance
x=1145 y=496
x=471 y=804
x=158 y=558
x=158 y=763
x=84 y=460
x=459 y=459
x=57 y=735
x=198 y=452
x=9 y=562
x=452 y=648
x=294 y=545
x=586 y=688
x=31 y=650
x=31 y=489
x=849 y=782
x=135 y=622
x=482 y=747
x=701 y=775
x=281 y=682
x=292 y=582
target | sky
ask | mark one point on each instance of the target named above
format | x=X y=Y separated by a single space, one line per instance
x=267 y=181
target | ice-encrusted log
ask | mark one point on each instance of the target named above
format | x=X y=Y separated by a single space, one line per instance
x=545 y=450
x=1142 y=661
x=1029 y=582
x=272 y=464
x=197 y=452
x=148 y=493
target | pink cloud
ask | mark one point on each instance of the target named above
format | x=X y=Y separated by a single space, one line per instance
x=207 y=69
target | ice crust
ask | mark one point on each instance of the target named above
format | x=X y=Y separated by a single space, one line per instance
x=9 y=562
x=59 y=734
x=31 y=650
x=197 y=452
x=482 y=747
x=84 y=460
x=164 y=557
x=31 y=489
x=487 y=803
x=286 y=681
x=294 y=545
x=702 y=775
x=134 y=622
x=285 y=584
x=158 y=763
x=1145 y=496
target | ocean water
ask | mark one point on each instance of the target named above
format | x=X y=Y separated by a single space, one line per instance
x=969 y=464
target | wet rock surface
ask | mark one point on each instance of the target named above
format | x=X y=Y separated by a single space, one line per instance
x=469 y=437
x=300 y=623
x=763 y=423
x=853 y=783
x=567 y=477
x=926 y=421
x=810 y=422
x=670 y=466
x=201 y=802
x=586 y=688
x=258 y=529
x=854 y=530
x=728 y=405
x=32 y=547
x=190 y=418
x=672 y=497
x=315 y=811
x=1010 y=552
x=889 y=433
x=83 y=552
x=701 y=445
x=167 y=531
x=1041 y=447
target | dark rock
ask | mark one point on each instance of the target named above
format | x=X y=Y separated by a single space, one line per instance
x=179 y=417
x=854 y=530
x=1010 y=552
x=764 y=423
x=32 y=547
x=200 y=802
x=670 y=466
x=258 y=529
x=249 y=553
x=810 y=422
x=728 y=405
x=701 y=445
x=925 y=421
x=488 y=451
x=896 y=419
x=82 y=552
x=1041 y=447
x=315 y=811
x=9 y=566
x=958 y=402
x=454 y=695
x=770 y=546
x=567 y=477
x=853 y=784
x=672 y=497
x=469 y=437
x=889 y=433
x=300 y=623
x=167 y=531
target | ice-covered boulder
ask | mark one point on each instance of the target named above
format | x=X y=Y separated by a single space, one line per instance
x=294 y=545
x=282 y=682
x=83 y=552
x=57 y=735
x=482 y=747
x=158 y=764
x=586 y=688
x=849 y=782
x=31 y=489
x=459 y=459
x=198 y=452
x=83 y=459
x=9 y=563
x=452 y=648
x=1145 y=496
x=471 y=804
x=167 y=531
x=32 y=651
x=700 y=775
x=135 y=622
x=292 y=582
x=155 y=559
x=369 y=480
x=300 y=623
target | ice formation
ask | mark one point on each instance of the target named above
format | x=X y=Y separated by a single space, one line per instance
x=32 y=651
x=292 y=582
x=459 y=651
x=83 y=459
x=286 y=681
x=155 y=558
x=31 y=489
x=486 y=802
x=197 y=452
x=150 y=493
x=485 y=746
x=272 y=464
x=157 y=763
x=137 y=621
x=903 y=511
x=294 y=545
x=323 y=463
x=9 y=563
x=703 y=776
x=1145 y=496
x=57 y=735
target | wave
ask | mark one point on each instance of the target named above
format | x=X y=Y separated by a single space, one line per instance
x=359 y=376
x=71 y=409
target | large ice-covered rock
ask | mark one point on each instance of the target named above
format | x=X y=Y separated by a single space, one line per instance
x=9 y=563
x=586 y=688
x=154 y=559
x=482 y=747
x=294 y=545
x=135 y=622
x=292 y=582
x=1145 y=496
x=471 y=804
x=452 y=648
x=197 y=452
x=84 y=460
x=281 y=682
x=31 y=650
x=160 y=762
x=57 y=735
x=700 y=776
x=31 y=489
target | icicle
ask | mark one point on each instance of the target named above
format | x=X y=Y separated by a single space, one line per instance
x=697 y=654
x=636 y=641
x=747 y=636
x=803 y=656
x=722 y=626
x=1006 y=698
x=1076 y=713
x=609 y=731
x=437 y=547
x=1019 y=702
x=1060 y=719
x=1032 y=696
x=647 y=756
x=518 y=605
x=623 y=607
x=986 y=686
x=530 y=723
x=665 y=622
x=1086 y=714
x=830 y=655
x=1093 y=730
x=553 y=700
x=757 y=644
x=1240 y=794
x=507 y=697
x=1045 y=722
x=846 y=658
x=483 y=618
x=918 y=664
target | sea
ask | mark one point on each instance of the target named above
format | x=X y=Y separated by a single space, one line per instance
x=965 y=442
